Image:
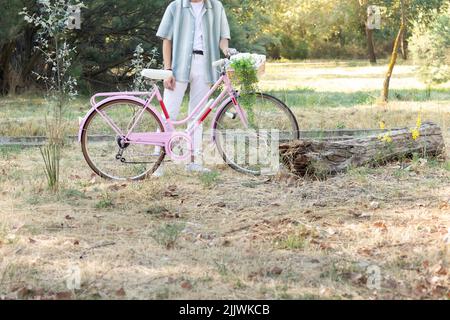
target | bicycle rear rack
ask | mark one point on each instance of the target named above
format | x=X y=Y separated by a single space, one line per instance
x=106 y=95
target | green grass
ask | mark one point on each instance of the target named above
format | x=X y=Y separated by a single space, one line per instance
x=311 y=98
x=10 y=150
x=105 y=202
x=306 y=87
x=168 y=234
x=209 y=179
x=446 y=165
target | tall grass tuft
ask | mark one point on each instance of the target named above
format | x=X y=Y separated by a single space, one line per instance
x=51 y=154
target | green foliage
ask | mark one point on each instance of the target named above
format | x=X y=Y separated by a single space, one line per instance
x=168 y=234
x=245 y=73
x=430 y=45
x=294 y=29
x=105 y=202
x=294 y=49
x=209 y=179
x=246 y=77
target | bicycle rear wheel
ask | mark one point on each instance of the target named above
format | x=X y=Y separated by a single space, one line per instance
x=104 y=150
x=254 y=149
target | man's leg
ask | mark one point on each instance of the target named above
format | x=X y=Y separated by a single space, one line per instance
x=198 y=90
x=172 y=100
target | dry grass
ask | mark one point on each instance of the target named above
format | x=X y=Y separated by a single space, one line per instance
x=228 y=235
x=242 y=237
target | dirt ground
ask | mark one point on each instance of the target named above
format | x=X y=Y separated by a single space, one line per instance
x=368 y=234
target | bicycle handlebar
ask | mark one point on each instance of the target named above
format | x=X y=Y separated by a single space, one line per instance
x=219 y=63
x=222 y=62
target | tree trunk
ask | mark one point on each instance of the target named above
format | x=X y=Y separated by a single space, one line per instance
x=393 y=61
x=6 y=75
x=404 y=45
x=17 y=61
x=322 y=158
x=371 y=46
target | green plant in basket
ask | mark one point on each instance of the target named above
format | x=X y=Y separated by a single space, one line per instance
x=245 y=75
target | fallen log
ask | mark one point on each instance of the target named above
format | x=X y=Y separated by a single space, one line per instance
x=322 y=158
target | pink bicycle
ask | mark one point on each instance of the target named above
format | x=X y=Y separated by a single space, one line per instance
x=123 y=137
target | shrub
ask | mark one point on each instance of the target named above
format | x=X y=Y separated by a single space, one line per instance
x=294 y=49
x=430 y=47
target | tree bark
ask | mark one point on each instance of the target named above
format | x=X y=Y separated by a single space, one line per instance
x=322 y=158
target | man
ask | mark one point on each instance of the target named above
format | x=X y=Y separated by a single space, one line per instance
x=193 y=31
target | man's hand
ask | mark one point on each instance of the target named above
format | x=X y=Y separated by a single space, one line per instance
x=170 y=83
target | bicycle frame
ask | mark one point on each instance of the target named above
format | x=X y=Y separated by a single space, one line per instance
x=164 y=139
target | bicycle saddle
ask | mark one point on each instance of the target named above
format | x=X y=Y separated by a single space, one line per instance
x=156 y=74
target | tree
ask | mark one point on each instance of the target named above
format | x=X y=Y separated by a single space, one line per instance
x=394 y=53
x=430 y=46
x=51 y=20
x=17 y=58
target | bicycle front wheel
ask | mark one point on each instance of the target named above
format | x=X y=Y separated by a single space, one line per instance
x=253 y=149
x=104 y=150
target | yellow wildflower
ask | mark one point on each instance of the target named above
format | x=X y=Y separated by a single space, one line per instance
x=419 y=120
x=382 y=125
x=415 y=134
x=385 y=137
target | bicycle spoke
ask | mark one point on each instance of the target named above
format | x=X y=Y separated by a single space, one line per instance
x=252 y=150
x=109 y=155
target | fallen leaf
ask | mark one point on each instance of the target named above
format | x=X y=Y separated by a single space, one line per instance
x=121 y=292
x=276 y=271
x=226 y=243
x=25 y=293
x=31 y=240
x=171 y=194
x=325 y=246
x=221 y=204
x=365 y=251
x=380 y=225
x=444 y=205
x=186 y=285
x=439 y=269
x=65 y=295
